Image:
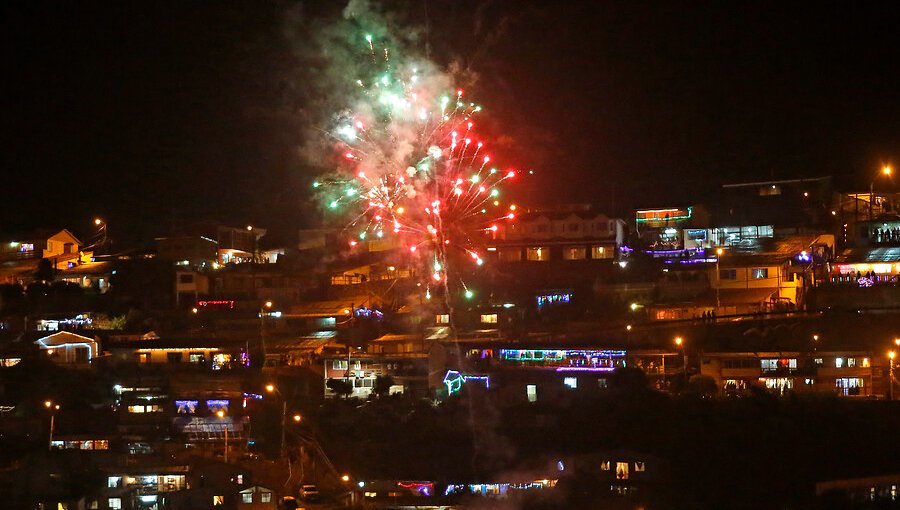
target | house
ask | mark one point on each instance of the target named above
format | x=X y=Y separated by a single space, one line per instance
x=68 y=348
x=844 y=373
x=257 y=498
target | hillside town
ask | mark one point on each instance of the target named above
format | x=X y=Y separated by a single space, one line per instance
x=221 y=366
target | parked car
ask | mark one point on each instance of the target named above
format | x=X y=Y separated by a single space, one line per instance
x=309 y=493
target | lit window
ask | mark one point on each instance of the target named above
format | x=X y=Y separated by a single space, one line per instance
x=443 y=318
x=339 y=365
x=601 y=252
x=838 y=362
x=574 y=253
x=621 y=470
x=571 y=382
x=759 y=273
x=489 y=318
x=639 y=467
x=114 y=503
x=851 y=362
x=604 y=466
x=114 y=481
x=218 y=500
x=538 y=254
x=247 y=498
x=865 y=363
x=265 y=497
x=531 y=392
x=809 y=382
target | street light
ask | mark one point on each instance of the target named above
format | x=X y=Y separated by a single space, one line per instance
x=272 y=389
x=680 y=343
x=221 y=414
x=262 y=330
x=719 y=253
x=891 y=355
x=51 y=407
x=886 y=171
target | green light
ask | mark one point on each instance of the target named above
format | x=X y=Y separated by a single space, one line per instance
x=333 y=204
x=351 y=192
x=475 y=178
x=362 y=235
x=380 y=234
x=316 y=184
x=469 y=294
x=369 y=38
x=437 y=266
x=493 y=170
x=495 y=192
x=385 y=80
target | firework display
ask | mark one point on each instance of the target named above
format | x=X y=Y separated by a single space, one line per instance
x=413 y=170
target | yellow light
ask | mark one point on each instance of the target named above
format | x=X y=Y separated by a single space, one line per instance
x=719 y=251
x=220 y=413
x=297 y=418
x=194 y=310
x=678 y=340
x=400 y=210
x=97 y=221
x=887 y=170
x=47 y=404
x=634 y=306
x=268 y=304
x=345 y=478
x=628 y=327
x=249 y=227
x=891 y=354
x=270 y=388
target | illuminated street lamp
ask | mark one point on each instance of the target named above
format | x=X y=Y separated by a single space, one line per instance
x=891 y=355
x=51 y=407
x=719 y=253
x=886 y=171
x=345 y=478
x=221 y=414
x=680 y=343
x=272 y=389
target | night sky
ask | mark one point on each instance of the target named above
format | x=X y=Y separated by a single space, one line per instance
x=157 y=113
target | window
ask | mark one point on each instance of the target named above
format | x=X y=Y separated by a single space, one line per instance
x=574 y=227
x=571 y=382
x=849 y=385
x=510 y=254
x=247 y=497
x=601 y=252
x=759 y=273
x=114 y=503
x=542 y=228
x=604 y=466
x=865 y=363
x=621 y=471
x=728 y=274
x=114 y=481
x=174 y=357
x=339 y=365
x=639 y=467
x=838 y=362
x=531 y=392
x=809 y=382
x=574 y=253
x=851 y=362
x=186 y=278
x=443 y=318
x=143 y=357
x=489 y=318
x=218 y=500
x=538 y=254
x=265 y=497
x=197 y=357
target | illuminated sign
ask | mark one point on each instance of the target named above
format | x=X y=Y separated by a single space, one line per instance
x=219 y=303
x=673 y=214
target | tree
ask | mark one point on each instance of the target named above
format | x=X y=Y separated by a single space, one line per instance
x=383 y=385
x=702 y=385
x=340 y=387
